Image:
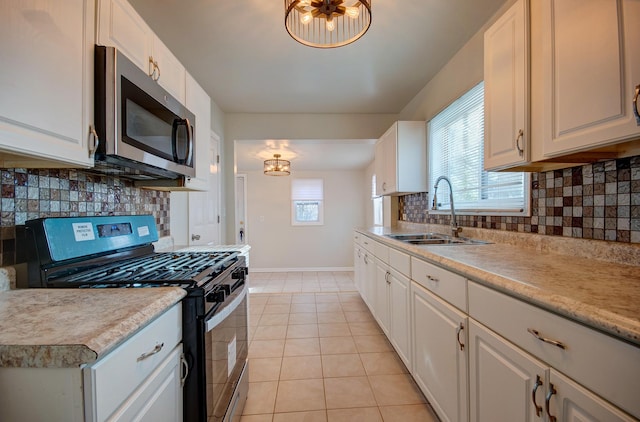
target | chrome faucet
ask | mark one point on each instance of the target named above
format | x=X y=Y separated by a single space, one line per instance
x=455 y=229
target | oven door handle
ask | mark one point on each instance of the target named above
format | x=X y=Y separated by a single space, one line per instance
x=224 y=312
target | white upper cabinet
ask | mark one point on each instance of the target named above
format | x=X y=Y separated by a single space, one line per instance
x=46 y=105
x=199 y=103
x=120 y=26
x=506 y=96
x=400 y=159
x=589 y=71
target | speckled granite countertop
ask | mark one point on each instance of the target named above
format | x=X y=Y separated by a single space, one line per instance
x=71 y=327
x=603 y=295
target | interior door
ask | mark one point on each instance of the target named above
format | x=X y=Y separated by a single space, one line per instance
x=204 y=207
x=241 y=209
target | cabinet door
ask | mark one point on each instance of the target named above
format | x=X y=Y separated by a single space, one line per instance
x=506 y=89
x=199 y=103
x=46 y=105
x=381 y=302
x=159 y=399
x=385 y=161
x=591 y=67
x=170 y=72
x=571 y=402
x=504 y=380
x=439 y=354
x=368 y=281
x=399 y=315
x=120 y=26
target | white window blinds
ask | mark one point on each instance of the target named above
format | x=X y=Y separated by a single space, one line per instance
x=456 y=150
x=306 y=189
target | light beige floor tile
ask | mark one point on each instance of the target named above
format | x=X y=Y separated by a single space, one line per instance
x=301 y=367
x=303 y=307
x=279 y=299
x=252 y=331
x=256 y=418
x=300 y=395
x=313 y=416
x=270 y=332
x=358 y=316
x=303 y=298
x=327 y=297
x=303 y=318
x=345 y=365
x=331 y=317
x=348 y=392
x=334 y=330
x=302 y=331
x=264 y=369
x=266 y=348
x=363 y=328
x=393 y=390
x=329 y=306
x=376 y=343
x=257 y=299
x=277 y=309
x=353 y=297
x=274 y=319
x=408 y=413
x=337 y=345
x=302 y=347
x=362 y=414
x=385 y=363
x=261 y=398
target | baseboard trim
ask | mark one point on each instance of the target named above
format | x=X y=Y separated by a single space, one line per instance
x=296 y=270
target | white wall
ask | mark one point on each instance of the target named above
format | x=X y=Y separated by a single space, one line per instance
x=276 y=244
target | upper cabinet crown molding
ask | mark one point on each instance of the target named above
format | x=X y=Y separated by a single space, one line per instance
x=401 y=159
x=46 y=106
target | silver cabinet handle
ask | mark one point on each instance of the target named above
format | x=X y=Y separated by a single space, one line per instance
x=96 y=141
x=537 y=335
x=366 y=261
x=384 y=186
x=195 y=237
x=551 y=392
x=155 y=350
x=635 y=105
x=152 y=68
x=185 y=367
x=430 y=278
x=458 y=331
x=537 y=385
x=386 y=277
x=520 y=136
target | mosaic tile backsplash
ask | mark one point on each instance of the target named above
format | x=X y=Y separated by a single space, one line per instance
x=35 y=193
x=597 y=201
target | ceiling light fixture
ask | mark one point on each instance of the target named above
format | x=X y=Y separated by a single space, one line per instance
x=327 y=23
x=277 y=167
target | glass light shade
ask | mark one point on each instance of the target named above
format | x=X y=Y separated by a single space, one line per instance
x=327 y=23
x=277 y=167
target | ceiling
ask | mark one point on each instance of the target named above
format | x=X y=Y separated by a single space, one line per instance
x=241 y=54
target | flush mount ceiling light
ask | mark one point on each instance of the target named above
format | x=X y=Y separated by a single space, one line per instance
x=327 y=23
x=277 y=167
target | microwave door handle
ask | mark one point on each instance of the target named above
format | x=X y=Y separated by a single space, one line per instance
x=174 y=138
x=189 y=142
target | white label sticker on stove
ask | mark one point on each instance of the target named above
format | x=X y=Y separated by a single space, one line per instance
x=83 y=231
x=143 y=231
x=231 y=356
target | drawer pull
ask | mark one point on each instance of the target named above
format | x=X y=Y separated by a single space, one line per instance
x=151 y=353
x=551 y=392
x=537 y=335
x=458 y=331
x=432 y=278
x=185 y=367
x=386 y=277
x=533 y=395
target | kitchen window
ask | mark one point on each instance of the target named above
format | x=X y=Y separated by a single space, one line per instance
x=455 y=144
x=307 y=196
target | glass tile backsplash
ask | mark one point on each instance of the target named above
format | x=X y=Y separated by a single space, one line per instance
x=596 y=201
x=35 y=193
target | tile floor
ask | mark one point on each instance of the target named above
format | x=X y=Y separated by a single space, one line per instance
x=318 y=355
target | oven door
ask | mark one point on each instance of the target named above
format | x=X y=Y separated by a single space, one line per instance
x=226 y=350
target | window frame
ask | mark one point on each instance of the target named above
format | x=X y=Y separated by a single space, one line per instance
x=319 y=201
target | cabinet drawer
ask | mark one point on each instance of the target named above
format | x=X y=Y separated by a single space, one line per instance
x=366 y=243
x=357 y=238
x=381 y=252
x=603 y=364
x=449 y=286
x=400 y=261
x=112 y=379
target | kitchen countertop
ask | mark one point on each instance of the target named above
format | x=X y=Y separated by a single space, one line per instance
x=602 y=295
x=71 y=327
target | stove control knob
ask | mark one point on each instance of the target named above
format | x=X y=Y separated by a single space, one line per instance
x=216 y=297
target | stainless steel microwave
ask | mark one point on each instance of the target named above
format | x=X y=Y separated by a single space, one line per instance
x=143 y=132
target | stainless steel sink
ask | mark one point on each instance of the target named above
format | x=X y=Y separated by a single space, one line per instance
x=435 y=239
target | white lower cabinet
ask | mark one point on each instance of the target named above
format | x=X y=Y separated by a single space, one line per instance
x=400 y=314
x=440 y=354
x=381 y=303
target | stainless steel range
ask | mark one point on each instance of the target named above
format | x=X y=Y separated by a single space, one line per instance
x=117 y=252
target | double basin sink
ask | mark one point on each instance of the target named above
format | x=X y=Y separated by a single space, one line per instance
x=435 y=239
